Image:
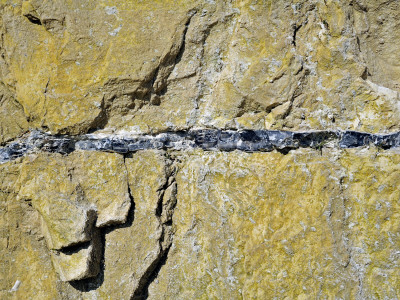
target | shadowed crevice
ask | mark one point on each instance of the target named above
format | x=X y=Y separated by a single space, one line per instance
x=33 y=19
x=74 y=248
x=164 y=212
x=142 y=292
x=296 y=28
x=90 y=284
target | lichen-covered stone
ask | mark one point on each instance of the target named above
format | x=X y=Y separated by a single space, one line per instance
x=255 y=225
x=74 y=194
x=76 y=59
x=287 y=226
x=80 y=262
x=104 y=180
x=371 y=188
x=152 y=66
x=67 y=216
x=23 y=253
x=133 y=250
x=195 y=202
x=12 y=118
x=126 y=263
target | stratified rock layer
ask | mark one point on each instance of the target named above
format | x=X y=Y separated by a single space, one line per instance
x=206 y=139
x=199 y=149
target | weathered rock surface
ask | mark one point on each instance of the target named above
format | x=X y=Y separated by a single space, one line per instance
x=199 y=149
x=153 y=66
x=295 y=226
x=12 y=118
x=310 y=223
x=75 y=194
x=133 y=253
x=24 y=255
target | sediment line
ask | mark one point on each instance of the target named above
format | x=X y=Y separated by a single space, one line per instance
x=206 y=139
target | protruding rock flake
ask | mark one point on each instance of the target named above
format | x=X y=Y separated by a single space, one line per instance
x=186 y=149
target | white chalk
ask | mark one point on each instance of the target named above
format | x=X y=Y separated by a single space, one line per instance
x=16 y=286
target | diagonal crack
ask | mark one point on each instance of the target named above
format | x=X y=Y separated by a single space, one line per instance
x=141 y=292
x=169 y=60
x=151 y=87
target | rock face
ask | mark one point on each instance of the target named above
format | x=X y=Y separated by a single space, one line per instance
x=74 y=195
x=301 y=225
x=199 y=149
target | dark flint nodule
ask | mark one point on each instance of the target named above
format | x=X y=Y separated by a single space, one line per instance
x=207 y=139
x=351 y=139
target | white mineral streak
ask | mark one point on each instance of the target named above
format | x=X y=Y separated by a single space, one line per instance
x=16 y=286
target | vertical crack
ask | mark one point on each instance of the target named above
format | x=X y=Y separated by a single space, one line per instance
x=164 y=212
x=296 y=28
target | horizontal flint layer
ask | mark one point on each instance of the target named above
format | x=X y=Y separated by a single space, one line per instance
x=206 y=139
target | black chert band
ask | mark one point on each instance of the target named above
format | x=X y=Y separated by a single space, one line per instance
x=207 y=139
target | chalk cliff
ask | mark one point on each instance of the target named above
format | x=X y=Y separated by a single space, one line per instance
x=183 y=149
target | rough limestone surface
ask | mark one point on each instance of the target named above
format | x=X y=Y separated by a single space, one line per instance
x=304 y=225
x=149 y=66
x=75 y=194
x=187 y=149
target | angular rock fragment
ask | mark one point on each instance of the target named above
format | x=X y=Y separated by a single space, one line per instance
x=68 y=217
x=134 y=251
x=74 y=194
x=79 y=262
x=103 y=178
